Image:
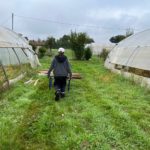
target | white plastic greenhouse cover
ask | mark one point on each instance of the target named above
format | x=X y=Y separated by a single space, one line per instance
x=98 y=48
x=15 y=49
x=134 y=51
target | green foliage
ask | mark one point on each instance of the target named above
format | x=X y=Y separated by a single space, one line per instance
x=77 y=43
x=104 y=54
x=64 y=42
x=117 y=39
x=129 y=32
x=33 y=45
x=42 y=51
x=50 y=42
x=87 y=53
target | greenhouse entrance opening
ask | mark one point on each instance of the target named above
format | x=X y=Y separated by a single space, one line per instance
x=16 y=57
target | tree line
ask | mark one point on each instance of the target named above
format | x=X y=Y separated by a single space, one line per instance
x=75 y=41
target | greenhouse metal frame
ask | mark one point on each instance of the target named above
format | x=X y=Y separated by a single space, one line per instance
x=131 y=57
x=15 y=56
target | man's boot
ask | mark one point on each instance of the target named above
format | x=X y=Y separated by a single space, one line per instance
x=57 y=95
x=62 y=94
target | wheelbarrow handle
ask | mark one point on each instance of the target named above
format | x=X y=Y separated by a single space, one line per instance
x=50 y=82
x=69 y=84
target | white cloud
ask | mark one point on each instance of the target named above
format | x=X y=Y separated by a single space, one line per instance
x=117 y=14
x=109 y=15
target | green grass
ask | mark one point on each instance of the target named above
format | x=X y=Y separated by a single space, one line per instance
x=101 y=111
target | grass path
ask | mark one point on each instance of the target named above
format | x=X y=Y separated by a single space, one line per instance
x=102 y=111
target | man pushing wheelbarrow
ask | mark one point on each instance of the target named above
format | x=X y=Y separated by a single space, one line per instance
x=61 y=70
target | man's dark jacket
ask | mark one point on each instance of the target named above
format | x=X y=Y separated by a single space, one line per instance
x=60 y=66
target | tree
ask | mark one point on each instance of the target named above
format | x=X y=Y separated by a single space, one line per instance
x=77 y=43
x=50 y=43
x=42 y=51
x=129 y=32
x=64 y=42
x=117 y=39
x=87 y=53
x=33 y=44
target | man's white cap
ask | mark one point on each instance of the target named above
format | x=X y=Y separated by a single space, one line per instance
x=61 y=50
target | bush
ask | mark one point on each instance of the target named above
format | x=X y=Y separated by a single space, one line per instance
x=117 y=39
x=104 y=54
x=34 y=47
x=87 y=53
x=77 y=43
x=42 y=51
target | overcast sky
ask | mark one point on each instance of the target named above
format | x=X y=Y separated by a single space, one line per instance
x=101 y=19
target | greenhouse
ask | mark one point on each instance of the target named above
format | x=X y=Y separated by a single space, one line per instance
x=98 y=48
x=132 y=57
x=15 y=56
